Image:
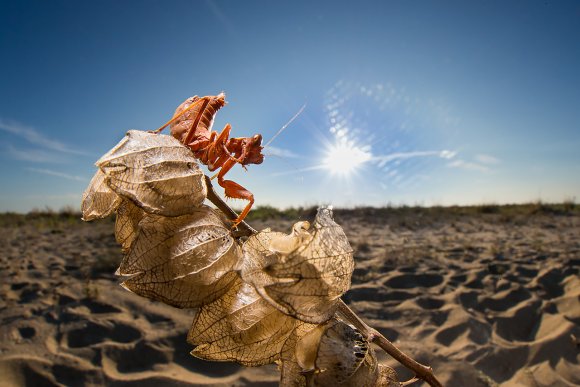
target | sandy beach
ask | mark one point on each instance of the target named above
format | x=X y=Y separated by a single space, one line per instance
x=487 y=296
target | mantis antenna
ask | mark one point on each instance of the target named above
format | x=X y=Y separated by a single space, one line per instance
x=286 y=125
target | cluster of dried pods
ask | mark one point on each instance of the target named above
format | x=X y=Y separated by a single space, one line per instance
x=271 y=297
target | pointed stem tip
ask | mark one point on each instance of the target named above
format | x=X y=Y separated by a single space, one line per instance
x=421 y=371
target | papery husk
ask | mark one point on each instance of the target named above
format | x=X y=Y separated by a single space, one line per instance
x=156 y=172
x=240 y=326
x=332 y=354
x=302 y=274
x=127 y=224
x=185 y=261
x=299 y=354
x=99 y=201
x=344 y=357
x=387 y=377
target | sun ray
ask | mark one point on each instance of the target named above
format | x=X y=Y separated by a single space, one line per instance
x=343 y=158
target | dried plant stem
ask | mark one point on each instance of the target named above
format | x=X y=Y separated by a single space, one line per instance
x=245 y=228
x=421 y=371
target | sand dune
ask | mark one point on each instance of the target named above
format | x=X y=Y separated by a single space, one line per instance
x=483 y=299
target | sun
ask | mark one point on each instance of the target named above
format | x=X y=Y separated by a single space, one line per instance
x=343 y=158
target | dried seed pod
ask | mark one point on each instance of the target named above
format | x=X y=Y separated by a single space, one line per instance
x=127 y=223
x=344 y=357
x=333 y=353
x=156 y=172
x=184 y=261
x=298 y=355
x=240 y=326
x=302 y=274
x=292 y=373
x=99 y=201
x=387 y=377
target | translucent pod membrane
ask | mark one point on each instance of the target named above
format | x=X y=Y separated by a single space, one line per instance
x=127 y=224
x=184 y=261
x=99 y=201
x=332 y=354
x=302 y=274
x=240 y=326
x=156 y=172
x=176 y=250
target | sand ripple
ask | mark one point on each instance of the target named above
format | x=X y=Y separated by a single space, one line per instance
x=484 y=301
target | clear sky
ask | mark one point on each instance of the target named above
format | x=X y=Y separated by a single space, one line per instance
x=415 y=102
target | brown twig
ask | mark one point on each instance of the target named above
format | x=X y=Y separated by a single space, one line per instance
x=244 y=228
x=421 y=371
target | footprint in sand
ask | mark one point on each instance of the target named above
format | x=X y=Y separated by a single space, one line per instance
x=409 y=281
x=505 y=300
x=474 y=279
x=99 y=307
x=519 y=323
x=26 y=371
x=526 y=272
x=26 y=332
x=141 y=357
x=475 y=331
x=181 y=356
x=90 y=333
x=374 y=294
x=550 y=283
x=429 y=303
x=74 y=376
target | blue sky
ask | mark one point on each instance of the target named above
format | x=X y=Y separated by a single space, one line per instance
x=415 y=102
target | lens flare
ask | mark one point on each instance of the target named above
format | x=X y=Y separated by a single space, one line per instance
x=343 y=158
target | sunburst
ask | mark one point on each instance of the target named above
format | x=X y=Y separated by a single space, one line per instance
x=344 y=158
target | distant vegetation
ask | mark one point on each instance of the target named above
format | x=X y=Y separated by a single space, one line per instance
x=506 y=212
x=41 y=217
x=564 y=208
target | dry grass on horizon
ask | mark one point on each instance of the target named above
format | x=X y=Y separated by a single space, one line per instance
x=502 y=212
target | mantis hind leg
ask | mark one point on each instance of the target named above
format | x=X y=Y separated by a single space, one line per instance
x=177 y=116
x=235 y=191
